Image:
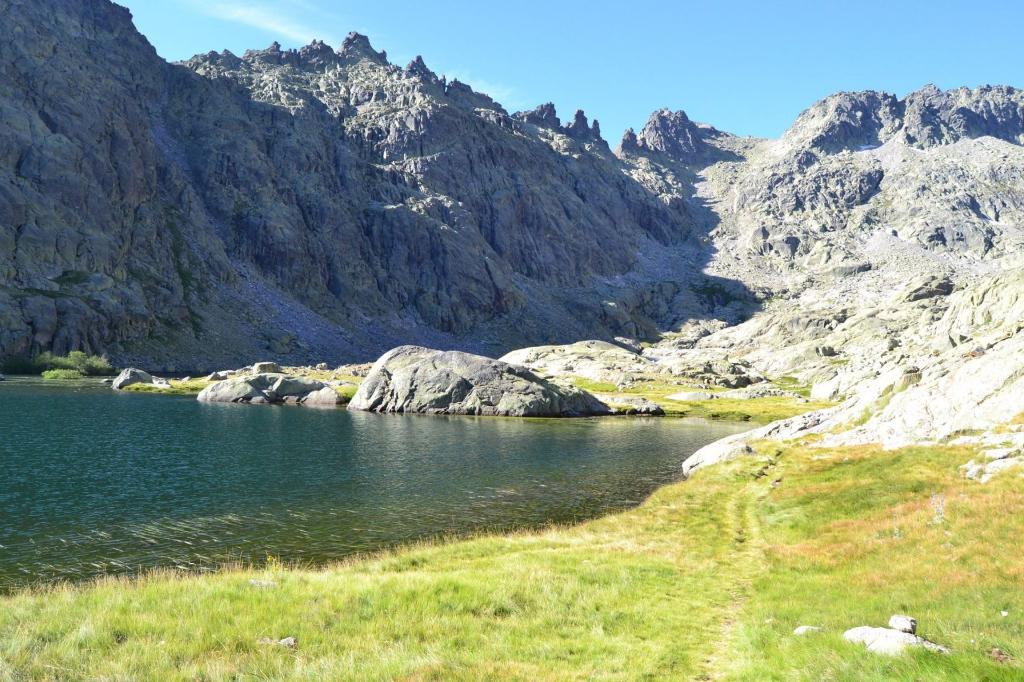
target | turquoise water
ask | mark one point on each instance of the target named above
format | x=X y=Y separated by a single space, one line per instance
x=95 y=482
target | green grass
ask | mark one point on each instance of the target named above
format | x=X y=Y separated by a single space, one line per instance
x=706 y=580
x=595 y=386
x=62 y=374
x=178 y=387
x=757 y=410
x=90 y=365
x=855 y=535
x=794 y=385
x=624 y=596
x=348 y=391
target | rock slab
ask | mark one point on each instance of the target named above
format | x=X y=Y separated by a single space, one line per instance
x=264 y=389
x=888 y=641
x=412 y=379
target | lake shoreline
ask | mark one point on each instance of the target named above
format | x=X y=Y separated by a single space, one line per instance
x=124 y=481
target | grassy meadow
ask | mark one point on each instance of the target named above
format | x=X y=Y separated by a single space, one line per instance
x=755 y=410
x=705 y=580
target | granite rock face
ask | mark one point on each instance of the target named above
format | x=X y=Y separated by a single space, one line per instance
x=293 y=203
x=410 y=379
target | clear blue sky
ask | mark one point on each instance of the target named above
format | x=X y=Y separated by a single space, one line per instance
x=745 y=66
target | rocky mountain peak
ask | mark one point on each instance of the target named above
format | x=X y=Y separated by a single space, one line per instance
x=853 y=121
x=544 y=116
x=847 y=121
x=317 y=54
x=580 y=129
x=934 y=117
x=417 y=67
x=671 y=133
x=356 y=46
x=629 y=144
x=268 y=55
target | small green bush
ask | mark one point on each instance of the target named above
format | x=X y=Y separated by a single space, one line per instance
x=76 y=360
x=63 y=374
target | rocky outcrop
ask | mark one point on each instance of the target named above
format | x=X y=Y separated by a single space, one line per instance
x=411 y=379
x=673 y=135
x=738 y=444
x=852 y=121
x=270 y=388
x=632 y=406
x=595 y=360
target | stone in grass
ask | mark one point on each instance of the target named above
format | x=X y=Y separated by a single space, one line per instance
x=691 y=395
x=806 y=629
x=266 y=368
x=888 y=641
x=903 y=624
x=287 y=642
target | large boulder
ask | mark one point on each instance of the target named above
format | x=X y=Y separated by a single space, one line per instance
x=289 y=386
x=422 y=380
x=324 y=397
x=262 y=389
x=238 y=390
x=131 y=376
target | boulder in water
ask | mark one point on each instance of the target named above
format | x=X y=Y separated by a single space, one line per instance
x=131 y=376
x=422 y=380
x=263 y=389
x=298 y=387
x=324 y=397
x=242 y=389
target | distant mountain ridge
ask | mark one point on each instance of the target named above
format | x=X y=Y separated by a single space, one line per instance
x=327 y=204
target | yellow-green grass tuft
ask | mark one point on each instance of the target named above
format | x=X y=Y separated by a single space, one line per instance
x=178 y=387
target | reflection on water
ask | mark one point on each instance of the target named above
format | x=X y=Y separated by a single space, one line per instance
x=94 y=482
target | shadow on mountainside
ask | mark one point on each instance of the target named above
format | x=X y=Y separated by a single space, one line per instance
x=667 y=293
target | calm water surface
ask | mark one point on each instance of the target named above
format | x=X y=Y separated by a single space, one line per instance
x=94 y=482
